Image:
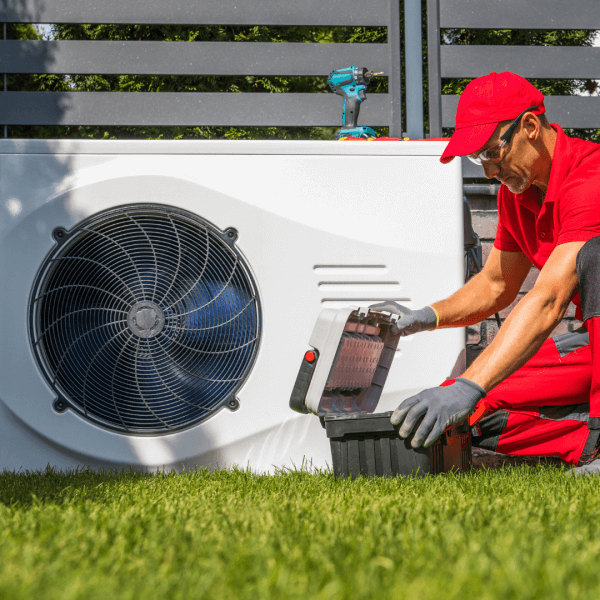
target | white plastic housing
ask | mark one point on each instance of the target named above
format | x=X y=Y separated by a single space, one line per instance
x=321 y=224
x=325 y=338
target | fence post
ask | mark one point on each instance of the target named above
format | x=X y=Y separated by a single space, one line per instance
x=5 y=85
x=413 y=57
x=395 y=74
x=435 y=80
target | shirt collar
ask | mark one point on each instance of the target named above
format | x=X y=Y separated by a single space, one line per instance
x=528 y=200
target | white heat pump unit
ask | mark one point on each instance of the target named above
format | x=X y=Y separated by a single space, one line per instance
x=157 y=297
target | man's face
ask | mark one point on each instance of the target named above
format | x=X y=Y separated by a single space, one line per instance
x=517 y=159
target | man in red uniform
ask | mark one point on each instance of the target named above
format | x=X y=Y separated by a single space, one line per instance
x=530 y=394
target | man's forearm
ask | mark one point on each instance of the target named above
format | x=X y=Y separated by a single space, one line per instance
x=520 y=337
x=474 y=302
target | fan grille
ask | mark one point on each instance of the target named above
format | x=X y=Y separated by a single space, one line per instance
x=145 y=319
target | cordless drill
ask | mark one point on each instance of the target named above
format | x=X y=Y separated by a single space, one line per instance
x=351 y=83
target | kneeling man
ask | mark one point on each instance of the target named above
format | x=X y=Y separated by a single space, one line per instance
x=528 y=394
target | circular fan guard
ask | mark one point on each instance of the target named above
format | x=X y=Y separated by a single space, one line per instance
x=145 y=319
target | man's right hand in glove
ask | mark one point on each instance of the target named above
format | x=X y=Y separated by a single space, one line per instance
x=410 y=321
x=432 y=411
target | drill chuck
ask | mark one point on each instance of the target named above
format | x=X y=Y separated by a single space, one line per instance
x=363 y=76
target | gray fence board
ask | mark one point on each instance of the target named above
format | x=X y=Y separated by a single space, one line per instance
x=184 y=58
x=574 y=112
x=413 y=60
x=435 y=80
x=395 y=76
x=185 y=109
x=205 y=12
x=545 y=62
x=520 y=14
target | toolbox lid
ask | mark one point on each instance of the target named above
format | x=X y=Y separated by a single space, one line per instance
x=354 y=349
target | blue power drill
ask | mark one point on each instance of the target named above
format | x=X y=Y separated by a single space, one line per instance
x=351 y=83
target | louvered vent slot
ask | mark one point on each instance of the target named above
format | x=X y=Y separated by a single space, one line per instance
x=341 y=285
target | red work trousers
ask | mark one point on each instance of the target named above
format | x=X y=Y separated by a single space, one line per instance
x=551 y=405
x=543 y=409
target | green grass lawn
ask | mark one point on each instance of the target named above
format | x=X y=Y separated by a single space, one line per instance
x=514 y=532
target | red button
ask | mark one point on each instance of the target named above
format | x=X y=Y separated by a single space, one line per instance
x=310 y=356
x=543 y=235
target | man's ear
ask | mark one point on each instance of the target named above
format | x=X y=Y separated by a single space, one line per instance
x=532 y=126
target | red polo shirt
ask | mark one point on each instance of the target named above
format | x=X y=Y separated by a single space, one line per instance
x=570 y=212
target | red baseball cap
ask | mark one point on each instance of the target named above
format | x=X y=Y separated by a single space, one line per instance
x=487 y=101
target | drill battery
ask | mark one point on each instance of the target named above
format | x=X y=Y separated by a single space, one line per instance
x=341 y=380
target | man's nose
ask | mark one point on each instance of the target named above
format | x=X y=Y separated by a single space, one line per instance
x=490 y=168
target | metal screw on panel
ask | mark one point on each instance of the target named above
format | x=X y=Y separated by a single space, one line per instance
x=59 y=234
x=231 y=233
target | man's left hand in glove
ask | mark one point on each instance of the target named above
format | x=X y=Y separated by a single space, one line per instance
x=436 y=409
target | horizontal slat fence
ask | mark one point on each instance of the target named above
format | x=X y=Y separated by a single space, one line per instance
x=182 y=109
x=196 y=12
x=199 y=58
x=532 y=62
x=574 y=112
x=186 y=58
x=520 y=14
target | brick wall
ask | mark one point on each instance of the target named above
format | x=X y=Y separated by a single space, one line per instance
x=485 y=220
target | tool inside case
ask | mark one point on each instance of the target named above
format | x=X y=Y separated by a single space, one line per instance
x=341 y=380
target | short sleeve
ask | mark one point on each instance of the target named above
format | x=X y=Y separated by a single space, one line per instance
x=579 y=206
x=504 y=239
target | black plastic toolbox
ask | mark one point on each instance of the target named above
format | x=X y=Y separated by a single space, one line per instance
x=368 y=445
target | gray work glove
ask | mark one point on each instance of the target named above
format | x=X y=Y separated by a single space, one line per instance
x=437 y=408
x=410 y=321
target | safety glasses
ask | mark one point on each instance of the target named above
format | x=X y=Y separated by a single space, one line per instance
x=494 y=154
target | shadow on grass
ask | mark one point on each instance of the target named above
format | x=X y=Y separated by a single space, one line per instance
x=50 y=486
